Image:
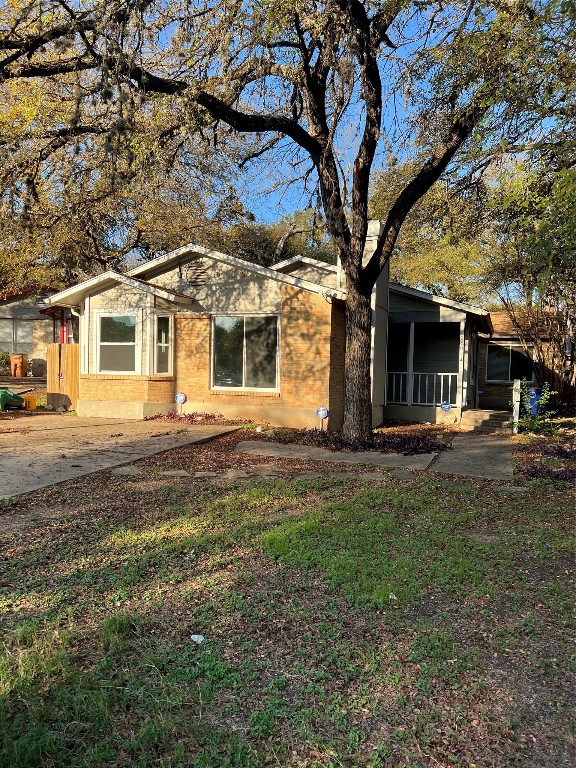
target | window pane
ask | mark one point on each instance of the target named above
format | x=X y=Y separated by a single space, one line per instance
x=521 y=365
x=398 y=343
x=162 y=360
x=162 y=345
x=24 y=331
x=436 y=347
x=163 y=330
x=23 y=348
x=24 y=337
x=118 y=357
x=261 y=348
x=6 y=333
x=118 y=329
x=228 y=351
x=498 y=363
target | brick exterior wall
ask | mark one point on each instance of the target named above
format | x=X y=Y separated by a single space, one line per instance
x=305 y=360
x=311 y=365
x=497 y=396
x=154 y=389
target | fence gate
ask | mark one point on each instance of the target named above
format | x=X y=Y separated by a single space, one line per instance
x=62 y=375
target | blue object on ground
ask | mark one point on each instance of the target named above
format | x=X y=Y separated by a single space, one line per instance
x=535 y=395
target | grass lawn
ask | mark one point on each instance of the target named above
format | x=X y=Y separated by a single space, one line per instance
x=415 y=623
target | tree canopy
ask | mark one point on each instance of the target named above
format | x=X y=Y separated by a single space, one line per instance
x=446 y=244
x=534 y=262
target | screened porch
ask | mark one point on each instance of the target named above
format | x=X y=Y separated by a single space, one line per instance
x=423 y=363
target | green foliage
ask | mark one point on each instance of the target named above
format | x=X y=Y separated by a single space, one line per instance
x=538 y=422
x=443 y=246
x=534 y=204
x=534 y=261
x=301 y=234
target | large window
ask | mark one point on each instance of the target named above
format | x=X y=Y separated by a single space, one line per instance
x=162 y=345
x=16 y=336
x=245 y=352
x=118 y=344
x=507 y=362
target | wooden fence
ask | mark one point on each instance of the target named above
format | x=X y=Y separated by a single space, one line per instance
x=62 y=375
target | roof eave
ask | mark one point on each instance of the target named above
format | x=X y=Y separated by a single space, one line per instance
x=72 y=297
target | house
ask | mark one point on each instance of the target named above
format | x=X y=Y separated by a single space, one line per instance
x=264 y=343
x=501 y=359
x=27 y=327
x=233 y=337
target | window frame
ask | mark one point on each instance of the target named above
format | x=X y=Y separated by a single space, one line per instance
x=508 y=346
x=137 y=314
x=243 y=315
x=156 y=316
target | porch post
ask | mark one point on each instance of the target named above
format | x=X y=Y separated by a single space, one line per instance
x=84 y=332
x=61 y=338
x=462 y=367
x=410 y=366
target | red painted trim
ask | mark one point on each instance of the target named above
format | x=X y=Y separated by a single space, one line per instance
x=28 y=291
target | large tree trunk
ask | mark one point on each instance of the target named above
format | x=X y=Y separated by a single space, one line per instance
x=357 y=382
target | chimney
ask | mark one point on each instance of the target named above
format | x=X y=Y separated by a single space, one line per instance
x=375 y=228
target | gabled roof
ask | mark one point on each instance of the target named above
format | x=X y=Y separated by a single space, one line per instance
x=304 y=260
x=504 y=325
x=71 y=297
x=442 y=300
x=180 y=255
x=483 y=314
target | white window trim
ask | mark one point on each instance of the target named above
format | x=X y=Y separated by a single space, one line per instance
x=212 y=356
x=170 y=316
x=509 y=346
x=138 y=343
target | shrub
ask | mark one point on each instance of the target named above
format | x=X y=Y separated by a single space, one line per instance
x=381 y=442
x=535 y=422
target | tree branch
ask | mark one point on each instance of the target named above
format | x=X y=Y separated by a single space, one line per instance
x=244 y=122
x=428 y=175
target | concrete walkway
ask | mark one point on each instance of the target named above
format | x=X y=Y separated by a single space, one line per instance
x=42 y=450
x=310 y=453
x=485 y=456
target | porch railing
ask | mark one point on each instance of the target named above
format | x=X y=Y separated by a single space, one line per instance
x=422 y=388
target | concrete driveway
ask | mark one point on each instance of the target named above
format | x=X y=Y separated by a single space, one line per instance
x=43 y=449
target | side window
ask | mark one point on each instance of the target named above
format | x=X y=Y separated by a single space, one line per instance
x=498 y=365
x=506 y=363
x=163 y=345
x=521 y=365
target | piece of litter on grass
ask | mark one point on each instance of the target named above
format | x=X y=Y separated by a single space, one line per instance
x=198 y=639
